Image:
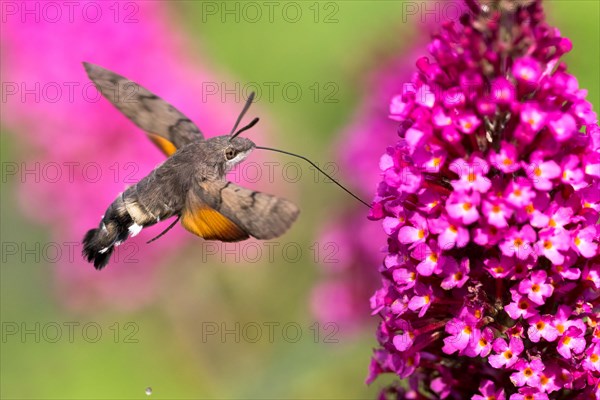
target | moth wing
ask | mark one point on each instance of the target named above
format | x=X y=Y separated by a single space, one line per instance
x=204 y=221
x=261 y=215
x=166 y=126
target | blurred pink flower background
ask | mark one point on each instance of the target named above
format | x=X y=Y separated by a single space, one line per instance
x=349 y=281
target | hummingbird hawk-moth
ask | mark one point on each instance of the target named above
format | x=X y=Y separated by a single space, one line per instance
x=189 y=185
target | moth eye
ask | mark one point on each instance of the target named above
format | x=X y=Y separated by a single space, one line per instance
x=229 y=154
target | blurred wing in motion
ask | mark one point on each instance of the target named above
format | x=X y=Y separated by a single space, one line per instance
x=167 y=127
x=221 y=210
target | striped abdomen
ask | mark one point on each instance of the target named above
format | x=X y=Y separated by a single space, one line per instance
x=149 y=201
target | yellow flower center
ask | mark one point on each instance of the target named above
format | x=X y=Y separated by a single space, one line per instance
x=523 y=305
x=540 y=325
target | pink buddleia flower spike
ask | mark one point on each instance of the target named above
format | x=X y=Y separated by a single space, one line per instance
x=359 y=158
x=494 y=261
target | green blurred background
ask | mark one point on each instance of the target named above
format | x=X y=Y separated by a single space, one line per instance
x=170 y=355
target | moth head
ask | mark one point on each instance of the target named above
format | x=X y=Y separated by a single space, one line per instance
x=237 y=148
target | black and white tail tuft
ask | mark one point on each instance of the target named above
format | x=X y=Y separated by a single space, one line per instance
x=98 y=247
x=99 y=244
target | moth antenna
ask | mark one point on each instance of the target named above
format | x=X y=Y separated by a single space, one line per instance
x=165 y=231
x=245 y=128
x=246 y=107
x=319 y=169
